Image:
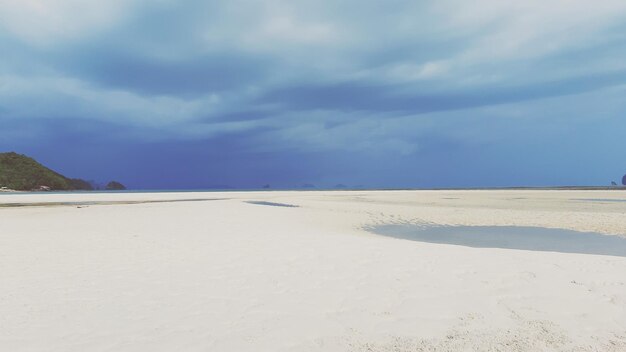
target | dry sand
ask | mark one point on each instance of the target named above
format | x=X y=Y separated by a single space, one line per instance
x=235 y=271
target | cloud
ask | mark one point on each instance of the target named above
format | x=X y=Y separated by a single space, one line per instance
x=47 y=23
x=404 y=99
x=351 y=82
x=196 y=76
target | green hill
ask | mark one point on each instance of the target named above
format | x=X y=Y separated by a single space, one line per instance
x=20 y=172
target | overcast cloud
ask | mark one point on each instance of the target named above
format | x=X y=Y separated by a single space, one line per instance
x=381 y=94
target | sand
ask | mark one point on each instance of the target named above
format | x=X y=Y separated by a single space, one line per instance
x=298 y=271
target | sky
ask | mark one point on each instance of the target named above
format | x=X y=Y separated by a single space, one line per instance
x=161 y=94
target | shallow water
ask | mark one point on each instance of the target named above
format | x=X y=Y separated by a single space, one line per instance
x=601 y=200
x=509 y=237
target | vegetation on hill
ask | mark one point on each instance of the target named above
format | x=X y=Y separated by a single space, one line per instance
x=19 y=172
x=80 y=184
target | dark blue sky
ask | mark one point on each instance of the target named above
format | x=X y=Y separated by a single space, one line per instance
x=185 y=94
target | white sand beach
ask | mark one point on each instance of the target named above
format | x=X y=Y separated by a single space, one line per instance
x=214 y=272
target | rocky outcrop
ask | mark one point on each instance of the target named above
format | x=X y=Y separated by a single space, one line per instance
x=115 y=186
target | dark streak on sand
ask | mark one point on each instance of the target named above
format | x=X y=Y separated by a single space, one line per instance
x=272 y=204
x=83 y=204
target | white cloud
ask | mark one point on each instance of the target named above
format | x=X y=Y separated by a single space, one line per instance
x=409 y=71
x=521 y=30
x=49 y=22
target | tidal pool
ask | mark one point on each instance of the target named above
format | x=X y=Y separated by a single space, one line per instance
x=509 y=237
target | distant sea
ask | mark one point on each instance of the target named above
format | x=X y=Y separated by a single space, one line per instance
x=614 y=188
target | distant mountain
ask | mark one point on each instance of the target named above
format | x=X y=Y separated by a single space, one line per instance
x=624 y=180
x=19 y=172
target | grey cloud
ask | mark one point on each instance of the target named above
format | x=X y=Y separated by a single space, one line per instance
x=351 y=96
x=146 y=75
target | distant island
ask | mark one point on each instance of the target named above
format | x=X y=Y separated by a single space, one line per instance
x=114 y=186
x=21 y=173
